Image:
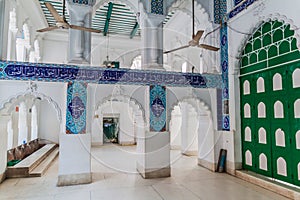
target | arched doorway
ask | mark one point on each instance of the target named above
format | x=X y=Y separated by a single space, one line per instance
x=122 y=109
x=191 y=131
x=130 y=115
x=270 y=64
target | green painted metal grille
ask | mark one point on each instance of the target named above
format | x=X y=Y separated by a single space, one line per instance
x=270 y=103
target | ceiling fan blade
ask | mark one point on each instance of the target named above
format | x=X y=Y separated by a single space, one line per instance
x=48 y=29
x=183 y=47
x=198 y=36
x=53 y=11
x=81 y=28
x=208 y=47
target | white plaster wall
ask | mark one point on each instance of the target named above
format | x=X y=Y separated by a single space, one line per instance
x=55 y=47
x=175 y=129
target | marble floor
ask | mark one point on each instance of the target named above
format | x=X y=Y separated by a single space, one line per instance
x=115 y=177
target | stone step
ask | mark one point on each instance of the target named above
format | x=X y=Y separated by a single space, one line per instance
x=23 y=168
x=44 y=165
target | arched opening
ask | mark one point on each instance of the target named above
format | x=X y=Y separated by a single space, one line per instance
x=248 y=136
x=137 y=63
x=261 y=110
x=278 y=110
x=262 y=136
x=33 y=116
x=184 y=129
x=281 y=167
x=263 y=163
x=248 y=157
x=129 y=115
x=191 y=131
x=184 y=67
x=260 y=85
x=277 y=82
x=246 y=87
x=117 y=116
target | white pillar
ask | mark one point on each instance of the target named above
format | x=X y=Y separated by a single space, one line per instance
x=75 y=143
x=97 y=130
x=11 y=43
x=80 y=41
x=152 y=40
x=2 y=14
x=153 y=147
x=3 y=145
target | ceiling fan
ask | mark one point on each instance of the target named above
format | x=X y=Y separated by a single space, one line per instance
x=195 y=38
x=61 y=22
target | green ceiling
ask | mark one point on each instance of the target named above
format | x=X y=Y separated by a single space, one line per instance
x=122 y=20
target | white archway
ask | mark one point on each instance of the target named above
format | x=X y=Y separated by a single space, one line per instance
x=203 y=129
x=41 y=101
x=131 y=118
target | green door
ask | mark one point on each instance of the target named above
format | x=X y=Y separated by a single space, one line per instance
x=270 y=103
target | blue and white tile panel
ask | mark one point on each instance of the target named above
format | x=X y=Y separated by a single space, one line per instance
x=240 y=8
x=68 y=73
x=76 y=108
x=157 y=7
x=157 y=108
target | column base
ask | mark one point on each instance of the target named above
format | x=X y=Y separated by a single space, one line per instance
x=74 y=179
x=78 y=60
x=154 y=173
x=190 y=153
x=155 y=66
x=2 y=177
x=127 y=143
x=208 y=165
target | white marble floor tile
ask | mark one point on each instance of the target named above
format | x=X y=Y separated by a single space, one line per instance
x=136 y=193
x=109 y=164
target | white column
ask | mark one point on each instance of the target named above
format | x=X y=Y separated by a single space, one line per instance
x=97 y=130
x=184 y=127
x=11 y=43
x=2 y=13
x=153 y=148
x=152 y=41
x=3 y=145
x=79 y=41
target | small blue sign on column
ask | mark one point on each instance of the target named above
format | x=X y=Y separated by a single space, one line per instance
x=157 y=108
x=76 y=108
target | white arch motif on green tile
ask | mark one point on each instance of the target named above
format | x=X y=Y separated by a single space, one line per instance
x=269 y=84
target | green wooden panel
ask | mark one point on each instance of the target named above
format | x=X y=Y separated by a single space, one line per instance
x=267 y=40
x=254 y=67
x=257 y=44
x=276 y=24
x=262 y=55
x=278 y=35
x=288 y=32
x=248 y=48
x=266 y=27
x=284 y=47
x=272 y=52
x=275 y=138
